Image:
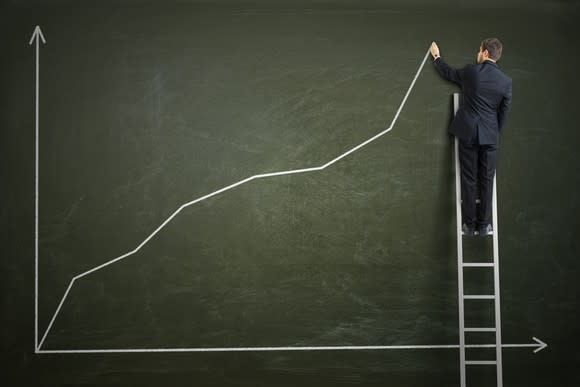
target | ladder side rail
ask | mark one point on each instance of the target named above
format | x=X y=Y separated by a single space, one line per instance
x=495 y=236
x=459 y=254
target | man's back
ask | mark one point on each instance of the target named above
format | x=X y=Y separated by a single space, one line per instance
x=486 y=100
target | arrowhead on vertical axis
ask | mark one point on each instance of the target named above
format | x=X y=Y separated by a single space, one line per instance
x=36 y=34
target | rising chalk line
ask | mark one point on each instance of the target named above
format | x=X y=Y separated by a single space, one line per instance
x=289 y=172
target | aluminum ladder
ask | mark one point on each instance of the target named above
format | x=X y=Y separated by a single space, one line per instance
x=461 y=266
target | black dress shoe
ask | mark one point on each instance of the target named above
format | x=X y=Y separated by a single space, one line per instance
x=468 y=230
x=485 y=230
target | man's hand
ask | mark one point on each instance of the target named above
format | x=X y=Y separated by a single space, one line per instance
x=434 y=50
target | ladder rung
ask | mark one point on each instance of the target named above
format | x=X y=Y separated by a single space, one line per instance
x=480 y=329
x=481 y=362
x=477 y=233
x=479 y=297
x=478 y=264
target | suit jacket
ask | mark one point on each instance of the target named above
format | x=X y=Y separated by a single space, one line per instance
x=486 y=100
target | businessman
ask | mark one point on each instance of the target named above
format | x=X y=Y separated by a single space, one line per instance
x=486 y=100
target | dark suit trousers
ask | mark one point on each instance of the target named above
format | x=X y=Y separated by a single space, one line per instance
x=477 y=172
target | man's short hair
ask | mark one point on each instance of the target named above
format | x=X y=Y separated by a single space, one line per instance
x=493 y=46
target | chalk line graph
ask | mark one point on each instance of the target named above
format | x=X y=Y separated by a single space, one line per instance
x=37 y=37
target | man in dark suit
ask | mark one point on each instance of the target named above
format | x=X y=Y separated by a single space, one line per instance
x=486 y=100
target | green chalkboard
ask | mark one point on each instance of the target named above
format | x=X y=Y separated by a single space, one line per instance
x=146 y=108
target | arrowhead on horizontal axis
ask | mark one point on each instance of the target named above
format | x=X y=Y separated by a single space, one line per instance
x=36 y=34
x=541 y=346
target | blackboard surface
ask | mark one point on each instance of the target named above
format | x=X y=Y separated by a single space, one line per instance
x=146 y=106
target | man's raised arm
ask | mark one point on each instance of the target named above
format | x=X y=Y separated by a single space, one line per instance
x=446 y=71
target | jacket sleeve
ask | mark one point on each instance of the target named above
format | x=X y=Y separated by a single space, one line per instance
x=448 y=72
x=504 y=107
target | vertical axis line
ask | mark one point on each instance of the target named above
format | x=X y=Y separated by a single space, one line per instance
x=36 y=204
x=36 y=36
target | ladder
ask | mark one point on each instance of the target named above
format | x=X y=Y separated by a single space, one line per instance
x=461 y=266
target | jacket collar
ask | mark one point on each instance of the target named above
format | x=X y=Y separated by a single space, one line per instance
x=490 y=62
